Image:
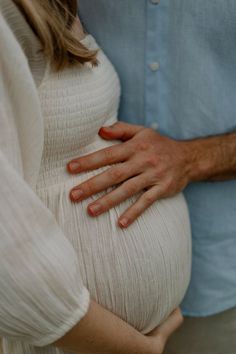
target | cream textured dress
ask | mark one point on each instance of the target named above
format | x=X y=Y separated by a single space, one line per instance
x=141 y=273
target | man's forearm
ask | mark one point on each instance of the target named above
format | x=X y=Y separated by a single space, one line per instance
x=212 y=158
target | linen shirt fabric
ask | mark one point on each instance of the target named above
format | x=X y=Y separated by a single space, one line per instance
x=177 y=64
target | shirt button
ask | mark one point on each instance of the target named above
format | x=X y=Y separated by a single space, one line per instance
x=155 y=2
x=154 y=125
x=154 y=66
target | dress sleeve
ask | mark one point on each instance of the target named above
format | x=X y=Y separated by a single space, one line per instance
x=42 y=295
x=41 y=292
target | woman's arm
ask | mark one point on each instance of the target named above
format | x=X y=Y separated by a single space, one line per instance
x=42 y=298
x=42 y=295
x=100 y=331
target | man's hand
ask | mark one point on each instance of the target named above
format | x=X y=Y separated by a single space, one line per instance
x=146 y=161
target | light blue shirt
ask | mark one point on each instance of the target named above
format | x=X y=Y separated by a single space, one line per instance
x=177 y=64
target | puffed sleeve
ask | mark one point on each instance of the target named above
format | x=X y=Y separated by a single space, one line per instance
x=41 y=292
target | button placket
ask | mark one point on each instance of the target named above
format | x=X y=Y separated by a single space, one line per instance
x=154 y=125
x=152 y=65
x=155 y=65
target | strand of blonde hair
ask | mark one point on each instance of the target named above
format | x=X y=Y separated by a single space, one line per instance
x=52 y=21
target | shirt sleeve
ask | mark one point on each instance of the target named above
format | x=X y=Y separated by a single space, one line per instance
x=41 y=291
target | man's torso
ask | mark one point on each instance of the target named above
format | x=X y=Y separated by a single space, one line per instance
x=177 y=64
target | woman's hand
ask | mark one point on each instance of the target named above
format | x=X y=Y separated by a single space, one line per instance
x=146 y=161
x=161 y=334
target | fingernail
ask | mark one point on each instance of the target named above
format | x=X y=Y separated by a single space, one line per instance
x=124 y=222
x=76 y=194
x=73 y=166
x=95 y=209
x=107 y=127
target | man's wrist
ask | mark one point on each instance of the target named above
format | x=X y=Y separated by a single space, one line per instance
x=211 y=158
x=198 y=160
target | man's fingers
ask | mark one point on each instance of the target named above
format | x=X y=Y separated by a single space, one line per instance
x=111 y=177
x=144 y=202
x=117 y=196
x=103 y=157
x=120 y=131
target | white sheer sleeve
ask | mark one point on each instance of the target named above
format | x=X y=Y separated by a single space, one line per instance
x=42 y=295
x=41 y=292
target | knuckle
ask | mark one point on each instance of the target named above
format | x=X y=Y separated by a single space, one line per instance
x=168 y=186
x=142 y=146
x=116 y=174
x=131 y=188
x=148 y=199
x=109 y=154
x=88 y=188
x=156 y=177
x=151 y=161
x=149 y=130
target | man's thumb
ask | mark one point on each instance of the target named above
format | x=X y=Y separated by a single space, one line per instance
x=120 y=131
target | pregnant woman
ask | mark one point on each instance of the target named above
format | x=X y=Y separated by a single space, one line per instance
x=59 y=267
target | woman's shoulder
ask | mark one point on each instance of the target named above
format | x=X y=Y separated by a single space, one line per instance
x=17 y=23
x=26 y=38
x=20 y=112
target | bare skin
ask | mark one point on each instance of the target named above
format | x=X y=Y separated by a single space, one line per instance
x=149 y=162
x=100 y=331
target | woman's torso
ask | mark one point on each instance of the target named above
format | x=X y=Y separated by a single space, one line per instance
x=140 y=273
x=76 y=103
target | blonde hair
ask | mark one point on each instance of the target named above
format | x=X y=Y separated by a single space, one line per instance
x=52 y=21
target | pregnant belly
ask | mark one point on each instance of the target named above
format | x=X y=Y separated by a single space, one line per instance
x=140 y=273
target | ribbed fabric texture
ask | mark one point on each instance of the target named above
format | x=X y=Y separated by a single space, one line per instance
x=140 y=274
